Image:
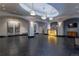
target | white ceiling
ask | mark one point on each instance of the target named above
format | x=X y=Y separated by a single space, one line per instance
x=63 y=9
x=40 y=9
x=13 y=8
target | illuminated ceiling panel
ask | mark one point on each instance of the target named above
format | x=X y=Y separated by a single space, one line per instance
x=40 y=9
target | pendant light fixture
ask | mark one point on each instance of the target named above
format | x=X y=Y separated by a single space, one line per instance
x=43 y=17
x=32 y=12
x=50 y=18
x=45 y=14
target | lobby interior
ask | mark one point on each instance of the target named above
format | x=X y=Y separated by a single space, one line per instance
x=39 y=29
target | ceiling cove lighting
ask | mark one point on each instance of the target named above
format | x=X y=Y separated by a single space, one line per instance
x=32 y=12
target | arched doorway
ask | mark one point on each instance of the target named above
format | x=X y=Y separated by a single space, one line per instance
x=71 y=31
x=52 y=33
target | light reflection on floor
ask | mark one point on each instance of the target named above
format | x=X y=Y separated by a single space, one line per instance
x=52 y=36
x=37 y=46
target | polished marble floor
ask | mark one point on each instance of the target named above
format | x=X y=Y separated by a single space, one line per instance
x=37 y=46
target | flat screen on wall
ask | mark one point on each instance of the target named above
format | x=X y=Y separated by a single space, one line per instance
x=72 y=25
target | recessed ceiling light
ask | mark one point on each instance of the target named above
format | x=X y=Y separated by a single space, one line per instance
x=14 y=11
x=78 y=11
x=3 y=5
x=4 y=8
x=77 y=6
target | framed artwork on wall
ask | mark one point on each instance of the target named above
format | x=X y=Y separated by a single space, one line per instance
x=13 y=28
x=17 y=28
x=9 y=28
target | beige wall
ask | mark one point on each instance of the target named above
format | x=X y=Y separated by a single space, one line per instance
x=3 y=25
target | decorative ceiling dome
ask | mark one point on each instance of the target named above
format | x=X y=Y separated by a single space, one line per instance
x=40 y=9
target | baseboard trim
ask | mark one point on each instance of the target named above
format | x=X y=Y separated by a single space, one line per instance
x=45 y=34
x=31 y=36
x=14 y=35
x=76 y=46
x=2 y=36
x=36 y=33
x=26 y=34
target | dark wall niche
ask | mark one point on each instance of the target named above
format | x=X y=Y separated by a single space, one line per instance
x=71 y=25
x=71 y=29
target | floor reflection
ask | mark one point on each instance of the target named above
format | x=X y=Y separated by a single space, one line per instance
x=40 y=45
x=52 y=38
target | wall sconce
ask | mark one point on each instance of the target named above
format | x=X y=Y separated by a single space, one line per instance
x=32 y=12
x=59 y=23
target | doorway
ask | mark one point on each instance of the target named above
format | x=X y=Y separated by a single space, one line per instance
x=71 y=30
x=52 y=33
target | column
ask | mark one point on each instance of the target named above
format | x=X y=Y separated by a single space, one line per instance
x=60 y=28
x=46 y=29
x=60 y=32
x=31 y=29
x=36 y=28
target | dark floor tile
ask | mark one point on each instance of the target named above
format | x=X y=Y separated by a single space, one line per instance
x=37 y=46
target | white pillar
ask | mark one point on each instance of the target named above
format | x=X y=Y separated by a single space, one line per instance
x=31 y=28
x=60 y=28
x=45 y=29
x=37 y=28
x=60 y=32
x=47 y=26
